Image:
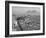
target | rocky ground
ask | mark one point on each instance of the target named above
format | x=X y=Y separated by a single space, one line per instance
x=27 y=23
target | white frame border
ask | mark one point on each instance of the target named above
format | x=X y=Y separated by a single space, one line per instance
x=25 y=32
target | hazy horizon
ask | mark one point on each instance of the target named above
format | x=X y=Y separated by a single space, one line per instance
x=25 y=10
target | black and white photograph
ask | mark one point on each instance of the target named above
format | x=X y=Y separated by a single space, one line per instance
x=25 y=18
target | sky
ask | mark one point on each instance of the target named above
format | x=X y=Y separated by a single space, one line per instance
x=25 y=10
